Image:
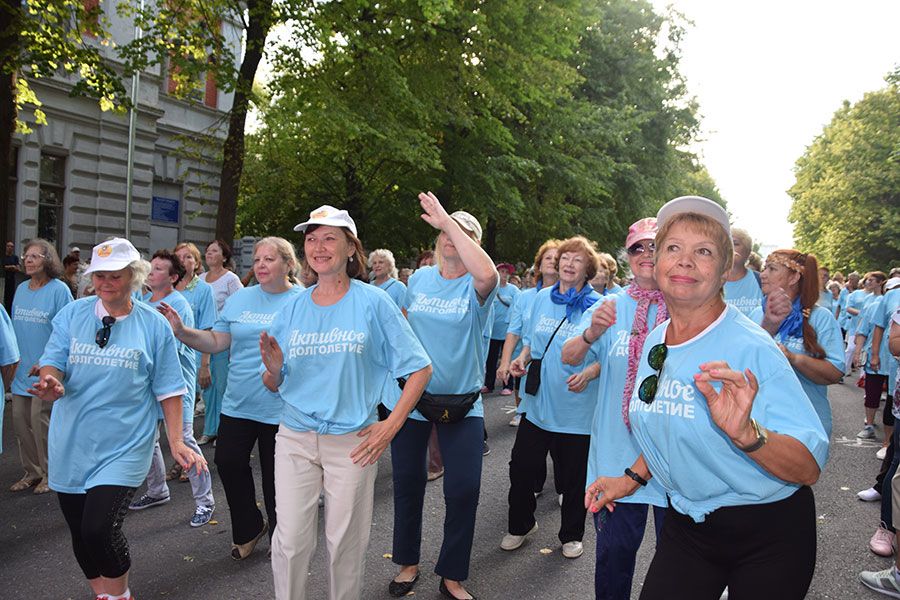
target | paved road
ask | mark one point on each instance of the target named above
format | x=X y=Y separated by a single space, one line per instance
x=172 y=560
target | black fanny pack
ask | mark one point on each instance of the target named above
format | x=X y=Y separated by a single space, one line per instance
x=533 y=382
x=444 y=408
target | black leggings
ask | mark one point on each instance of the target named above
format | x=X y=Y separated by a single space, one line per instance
x=757 y=550
x=95 y=521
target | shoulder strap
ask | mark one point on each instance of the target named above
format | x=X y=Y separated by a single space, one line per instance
x=550 y=341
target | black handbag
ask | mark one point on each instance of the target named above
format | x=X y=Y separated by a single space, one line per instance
x=533 y=382
x=444 y=408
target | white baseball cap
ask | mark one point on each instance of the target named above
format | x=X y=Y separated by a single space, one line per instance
x=112 y=255
x=468 y=223
x=892 y=283
x=329 y=215
x=693 y=204
x=75 y=249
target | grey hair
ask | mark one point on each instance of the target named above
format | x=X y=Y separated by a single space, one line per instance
x=139 y=271
x=386 y=255
x=53 y=267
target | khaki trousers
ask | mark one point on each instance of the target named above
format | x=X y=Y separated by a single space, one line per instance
x=305 y=464
x=31 y=422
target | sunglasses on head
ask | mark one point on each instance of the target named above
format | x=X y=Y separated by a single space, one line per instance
x=640 y=248
x=102 y=337
x=656 y=357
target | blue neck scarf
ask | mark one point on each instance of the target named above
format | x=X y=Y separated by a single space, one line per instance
x=573 y=299
x=792 y=326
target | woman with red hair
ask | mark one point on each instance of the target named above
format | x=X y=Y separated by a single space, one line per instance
x=809 y=335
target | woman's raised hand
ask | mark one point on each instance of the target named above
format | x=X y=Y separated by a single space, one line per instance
x=172 y=317
x=272 y=356
x=730 y=406
x=435 y=214
x=47 y=388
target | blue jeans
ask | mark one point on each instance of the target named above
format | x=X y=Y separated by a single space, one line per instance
x=461 y=446
x=886 y=482
x=618 y=540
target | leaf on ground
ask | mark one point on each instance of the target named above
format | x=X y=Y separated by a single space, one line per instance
x=187 y=558
x=213 y=522
x=844 y=488
x=387 y=555
x=546 y=551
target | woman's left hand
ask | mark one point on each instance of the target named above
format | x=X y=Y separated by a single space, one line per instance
x=378 y=438
x=730 y=407
x=578 y=381
x=435 y=214
x=186 y=457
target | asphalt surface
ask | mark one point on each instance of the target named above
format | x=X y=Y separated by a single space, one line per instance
x=173 y=560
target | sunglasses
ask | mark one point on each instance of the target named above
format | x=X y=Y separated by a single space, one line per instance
x=656 y=358
x=641 y=248
x=102 y=337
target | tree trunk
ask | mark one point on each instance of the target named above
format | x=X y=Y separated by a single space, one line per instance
x=260 y=15
x=9 y=42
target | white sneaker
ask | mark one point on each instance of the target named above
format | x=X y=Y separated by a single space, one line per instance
x=514 y=422
x=514 y=542
x=884 y=582
x=572 y=549
x=867 y=433
x=881 y=452
x=869 y=495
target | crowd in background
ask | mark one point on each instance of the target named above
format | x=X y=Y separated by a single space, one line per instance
x=682 y=375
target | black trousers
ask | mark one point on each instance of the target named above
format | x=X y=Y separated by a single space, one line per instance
x=233 y=447
x=490 y=374
x=757 y=550
x=569 y=453
x=95 y=522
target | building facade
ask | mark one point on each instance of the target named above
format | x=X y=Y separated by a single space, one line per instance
x=69 y=177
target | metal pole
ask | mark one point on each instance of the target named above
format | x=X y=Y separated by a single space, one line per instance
x=132 y=132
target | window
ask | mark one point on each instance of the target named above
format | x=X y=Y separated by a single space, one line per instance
x=50 y=198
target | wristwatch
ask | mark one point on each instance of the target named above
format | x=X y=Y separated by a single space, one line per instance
x=762 y=436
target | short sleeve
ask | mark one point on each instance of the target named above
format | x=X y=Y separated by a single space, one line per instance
x=402 y=353
x=515 y=315
x=828 y=333
x=166 y=378
x=225 y=318
x=9 y=349
x=56 y=352
x=205 y=316
x=234 y=284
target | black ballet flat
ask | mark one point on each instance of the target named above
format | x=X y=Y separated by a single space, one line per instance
x=443 y=589
x=398 y=589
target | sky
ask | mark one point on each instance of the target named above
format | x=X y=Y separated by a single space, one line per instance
x=768 y=77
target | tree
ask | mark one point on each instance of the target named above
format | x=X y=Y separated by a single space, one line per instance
x=846 y=198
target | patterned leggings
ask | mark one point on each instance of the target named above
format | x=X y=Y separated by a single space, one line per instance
x=95 y=521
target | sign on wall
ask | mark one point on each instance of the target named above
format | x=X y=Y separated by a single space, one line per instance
x=164 y=210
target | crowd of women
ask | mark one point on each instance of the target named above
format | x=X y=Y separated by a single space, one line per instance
x=698 y=390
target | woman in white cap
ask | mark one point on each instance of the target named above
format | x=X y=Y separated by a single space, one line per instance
x=613 y=333
x=449 y=308
x=328 y=353
x=384 y=271
x=35 y=304
x=109 y=360
x=724 y=426
x=250 y=412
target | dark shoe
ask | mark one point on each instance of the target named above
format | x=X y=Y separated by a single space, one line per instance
x=443 y=589
x=398 y=589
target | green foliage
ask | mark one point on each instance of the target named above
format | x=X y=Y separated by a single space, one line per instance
x=544 y=120
x=846 y=196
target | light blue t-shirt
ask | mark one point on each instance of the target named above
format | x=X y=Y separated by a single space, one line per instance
x=32 y=319
x=857 y=300
x=828 y=334
x=613 y=448
x=842 y=305
x=199 y=295
x=882 y=319
x=187 y=356
x=336 y=358
x=518 y=322
x=694 y=461
x=246 y=314
x=103 y=429
x=745 y=293
x=871 y=315
x=395 y=289
x=826 y=301
x=555 y=408
x=450 y=322
x=9 y=353
x=503 y=303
